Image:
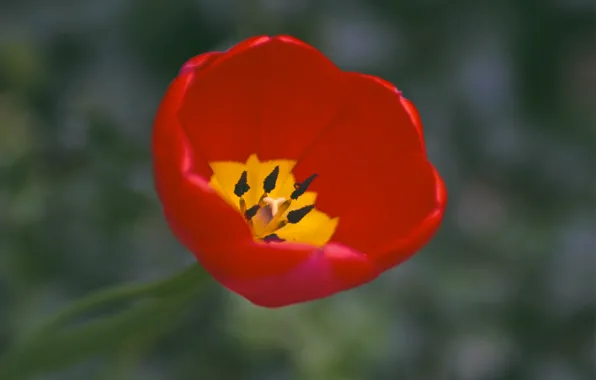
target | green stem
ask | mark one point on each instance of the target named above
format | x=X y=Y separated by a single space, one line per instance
x=53 y=347
x=159 y=288
x=122 y=363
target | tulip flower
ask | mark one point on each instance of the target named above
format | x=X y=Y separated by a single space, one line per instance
x=289 y=179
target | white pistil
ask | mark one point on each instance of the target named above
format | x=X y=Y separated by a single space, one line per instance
x=274 y=203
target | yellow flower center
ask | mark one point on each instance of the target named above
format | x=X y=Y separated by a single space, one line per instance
x=275 y=206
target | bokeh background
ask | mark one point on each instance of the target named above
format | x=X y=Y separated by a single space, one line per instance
x=507 y=94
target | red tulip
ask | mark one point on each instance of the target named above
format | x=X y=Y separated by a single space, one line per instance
x=289 y=179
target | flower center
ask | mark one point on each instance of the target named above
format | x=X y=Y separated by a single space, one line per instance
x=271 y=214
x=275 y=206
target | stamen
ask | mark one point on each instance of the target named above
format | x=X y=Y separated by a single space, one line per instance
x=300 y=188
x=271 y=180
x=241 y=186
x=251 y=212
x=270 y=214
x=297 y=215
x=262 y=199
x=273 y=238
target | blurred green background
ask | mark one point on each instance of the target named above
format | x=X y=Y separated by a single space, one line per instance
x=507 y=94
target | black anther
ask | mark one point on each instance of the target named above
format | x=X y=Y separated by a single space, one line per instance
x=241 y=186
x=248 y=214
x=273 y=238
x=300 y=188
x=271 y=180
x=297 y=215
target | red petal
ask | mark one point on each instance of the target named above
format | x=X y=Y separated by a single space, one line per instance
x=199 y=62
x=329 y=270
x=220 y=110
x=408 y=105
x=168 y=155
x=271 y=96
x=373 y=173
x=415 y=117
x=207 y=225
x=216 y=233
x=302 y=93
x=245 y=45
x=404 y=246
x=269 y=275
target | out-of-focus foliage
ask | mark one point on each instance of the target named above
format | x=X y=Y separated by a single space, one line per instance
x=507 y=93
